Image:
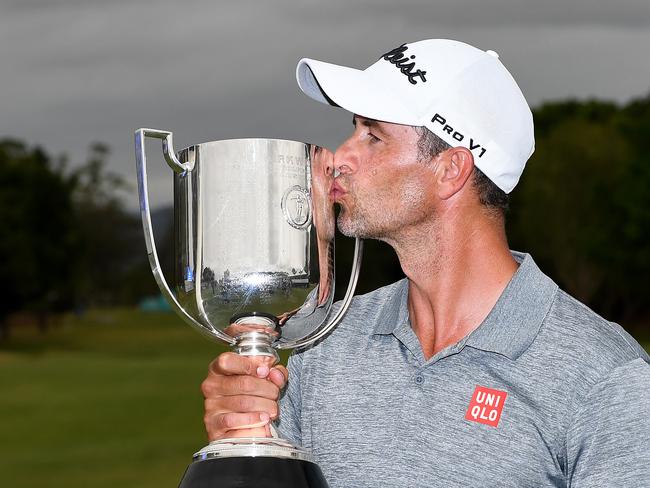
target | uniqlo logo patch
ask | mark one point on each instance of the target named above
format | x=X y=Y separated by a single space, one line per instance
x=486 y=405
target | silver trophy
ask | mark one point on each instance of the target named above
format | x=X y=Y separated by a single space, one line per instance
x=254 y=267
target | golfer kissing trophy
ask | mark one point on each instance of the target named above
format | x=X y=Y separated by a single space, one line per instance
x=254 y=267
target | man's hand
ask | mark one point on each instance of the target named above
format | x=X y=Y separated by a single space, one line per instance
x=241 y=396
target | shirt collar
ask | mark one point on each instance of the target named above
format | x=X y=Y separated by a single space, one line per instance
x=395 y=310
x=512 y=324
x=515 y=320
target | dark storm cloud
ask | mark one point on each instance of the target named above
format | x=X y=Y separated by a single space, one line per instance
x=76 y=71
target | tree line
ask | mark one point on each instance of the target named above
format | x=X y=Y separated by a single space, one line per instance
x=67 y=241
x=582 y=209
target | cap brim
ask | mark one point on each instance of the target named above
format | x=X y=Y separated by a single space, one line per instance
x=351 y=89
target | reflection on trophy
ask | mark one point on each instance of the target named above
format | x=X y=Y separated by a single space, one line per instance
x=254 y=267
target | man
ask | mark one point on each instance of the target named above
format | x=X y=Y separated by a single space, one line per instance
x=476 y=370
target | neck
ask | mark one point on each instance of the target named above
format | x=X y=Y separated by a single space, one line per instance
x=457 y=268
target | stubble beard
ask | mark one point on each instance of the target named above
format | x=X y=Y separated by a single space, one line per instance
x=355 y=220
x=352 y=226
x=366 y=218
x=375 y=218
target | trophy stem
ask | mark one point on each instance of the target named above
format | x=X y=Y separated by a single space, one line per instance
x=256 y=344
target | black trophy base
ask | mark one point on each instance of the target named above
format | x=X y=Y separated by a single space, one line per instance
x=258 y=472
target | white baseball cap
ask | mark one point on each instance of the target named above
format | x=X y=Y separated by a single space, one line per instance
x=462 y=94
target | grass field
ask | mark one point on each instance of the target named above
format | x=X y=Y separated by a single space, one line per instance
x=109 y=400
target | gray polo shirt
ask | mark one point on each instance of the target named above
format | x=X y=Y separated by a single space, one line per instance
x=544 y=393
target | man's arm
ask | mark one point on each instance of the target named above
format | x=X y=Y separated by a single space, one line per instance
x=608 y=441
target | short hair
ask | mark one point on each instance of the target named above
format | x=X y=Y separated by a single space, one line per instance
x=489 y=194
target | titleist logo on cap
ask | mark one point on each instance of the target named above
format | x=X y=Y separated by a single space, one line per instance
x=401 y=60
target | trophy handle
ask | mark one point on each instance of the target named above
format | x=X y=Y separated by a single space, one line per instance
x=352 y=284
x=178 y=167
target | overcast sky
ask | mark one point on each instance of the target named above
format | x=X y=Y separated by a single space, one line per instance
x=76 y=71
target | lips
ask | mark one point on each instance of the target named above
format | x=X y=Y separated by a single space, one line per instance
x=336 y=191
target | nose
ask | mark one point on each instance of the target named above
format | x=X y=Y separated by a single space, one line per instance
x=345 y=158
x=325 y=158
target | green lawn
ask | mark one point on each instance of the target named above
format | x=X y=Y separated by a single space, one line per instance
x=110 y=400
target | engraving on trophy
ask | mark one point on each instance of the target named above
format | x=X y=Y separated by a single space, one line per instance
x=296 y=206
x=292 y=166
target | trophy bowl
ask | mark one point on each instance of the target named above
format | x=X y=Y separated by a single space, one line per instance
x=254 y=267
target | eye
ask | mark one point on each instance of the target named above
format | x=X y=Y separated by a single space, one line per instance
x=373 y=138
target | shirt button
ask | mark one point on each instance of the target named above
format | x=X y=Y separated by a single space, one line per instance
x=419 y=379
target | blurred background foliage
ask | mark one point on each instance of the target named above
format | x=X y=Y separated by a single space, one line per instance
x=70 y=244
x=583 y=208
x=96 y=390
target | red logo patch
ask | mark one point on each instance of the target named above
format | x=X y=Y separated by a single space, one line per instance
x=486 y=405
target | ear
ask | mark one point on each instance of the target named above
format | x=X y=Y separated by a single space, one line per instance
x=455 y=167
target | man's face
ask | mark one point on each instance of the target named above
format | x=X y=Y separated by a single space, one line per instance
x=384 y=187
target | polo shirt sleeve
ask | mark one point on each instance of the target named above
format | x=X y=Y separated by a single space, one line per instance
x=608 y=440
x=288 y=423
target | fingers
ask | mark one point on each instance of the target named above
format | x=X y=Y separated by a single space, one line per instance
x=241 y=396
x=279 y=376
x=230 y=363
x=219 y=386
x=262 y=432
x=241 y=404
x=235 y=424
